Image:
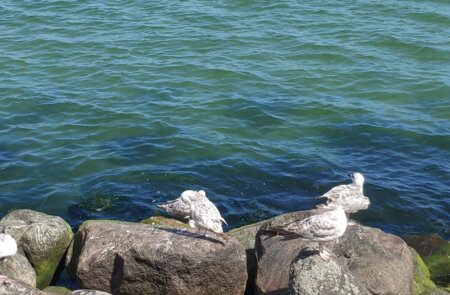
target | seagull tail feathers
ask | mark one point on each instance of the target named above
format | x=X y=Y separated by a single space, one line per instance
x=223 y=220
x=281 y=230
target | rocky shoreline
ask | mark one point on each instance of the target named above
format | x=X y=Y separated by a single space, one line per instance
x=164 y=256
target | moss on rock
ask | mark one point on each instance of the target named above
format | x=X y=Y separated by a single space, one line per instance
x=422 y=283
x=161 y=220
x=57 y=290
x=46 y=266
x=435 y=252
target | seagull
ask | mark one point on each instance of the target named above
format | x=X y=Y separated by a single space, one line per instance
x=8 y=248
x=180 y=207
x=204 y=215
x=350 y=196
x=324 y=227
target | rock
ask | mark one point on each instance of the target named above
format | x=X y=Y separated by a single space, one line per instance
x=88 y=292
x=42 y=238
x=19 y=268
x=135 y=258
x=435 y=252
x=311 y=275
x=380 y=262
x=246 y=236
x=15 y=287
x=275 y=254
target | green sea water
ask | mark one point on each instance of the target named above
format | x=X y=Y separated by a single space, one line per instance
x=109 y=107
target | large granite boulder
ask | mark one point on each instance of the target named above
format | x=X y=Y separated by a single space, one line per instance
x=15 y=287
x=435 y=252
x=311 y=275
x=42 y=238
x=19 y=268
x=382 y=263
x=134 y=258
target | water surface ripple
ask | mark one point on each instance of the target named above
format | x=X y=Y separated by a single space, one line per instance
x=109 y=107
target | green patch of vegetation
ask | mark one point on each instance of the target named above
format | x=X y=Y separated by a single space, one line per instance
x=439 y=265
x=56 y=290
x=160 y=220
x=422 y=284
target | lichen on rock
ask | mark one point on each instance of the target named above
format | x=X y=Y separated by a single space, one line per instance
x=435 y=252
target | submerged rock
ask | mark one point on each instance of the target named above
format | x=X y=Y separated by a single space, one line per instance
x=19 y=268
x=133 y=258
x=435 y=252
x=382 y=263
x=42 y=238
x=15 y=287
x=311 y=275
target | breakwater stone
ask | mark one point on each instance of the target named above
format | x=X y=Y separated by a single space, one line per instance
x=136 y=258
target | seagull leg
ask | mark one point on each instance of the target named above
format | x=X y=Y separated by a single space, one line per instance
x=323 y=253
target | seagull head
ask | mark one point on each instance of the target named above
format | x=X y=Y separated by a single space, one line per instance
x=188 y=196
x=357 y=178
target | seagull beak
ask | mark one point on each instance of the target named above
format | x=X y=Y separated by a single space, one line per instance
x=350 y=175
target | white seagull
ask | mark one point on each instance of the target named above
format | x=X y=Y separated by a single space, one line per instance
x=204 y=215
x=324 y=227
x=180 y=207
x=8 y=248
x=349 y=196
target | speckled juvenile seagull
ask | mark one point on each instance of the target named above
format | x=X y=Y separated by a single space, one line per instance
x=349 y=196
x=324 y=227
x=8 y=247
x=180 y=207
x=205 y=215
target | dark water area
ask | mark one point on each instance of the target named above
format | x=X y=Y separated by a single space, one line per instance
x=109 y=107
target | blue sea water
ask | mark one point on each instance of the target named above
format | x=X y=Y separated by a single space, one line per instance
x=110 y=107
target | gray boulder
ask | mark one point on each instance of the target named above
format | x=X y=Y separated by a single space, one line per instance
x=275 y=254
x=133 y=258
x=311 y=275
x=42 y=238
x=19 y=268
x=15 y=287
x=246 y=236
x=382 y=263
